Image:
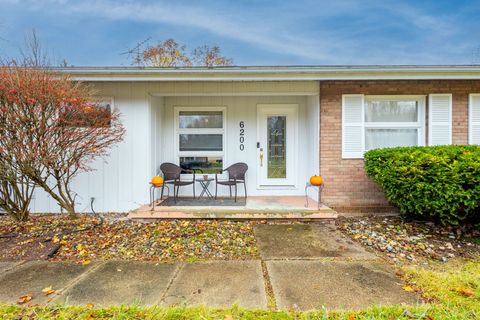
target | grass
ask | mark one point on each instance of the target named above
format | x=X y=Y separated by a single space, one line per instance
x=12 y=312
x=445 y=284
x=439 y=284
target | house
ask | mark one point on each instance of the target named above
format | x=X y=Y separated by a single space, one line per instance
x=286 y=123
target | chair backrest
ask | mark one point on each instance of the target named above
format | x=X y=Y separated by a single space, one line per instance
x=237 y=171
x=170 y=171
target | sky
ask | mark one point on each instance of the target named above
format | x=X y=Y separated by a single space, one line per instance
x=262 y=32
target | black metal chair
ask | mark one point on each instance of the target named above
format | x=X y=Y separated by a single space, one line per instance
x=236 y=175
x=171 y=175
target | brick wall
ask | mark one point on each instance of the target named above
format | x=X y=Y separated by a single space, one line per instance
x=347 y=186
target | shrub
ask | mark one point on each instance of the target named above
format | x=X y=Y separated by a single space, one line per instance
x=440 y=182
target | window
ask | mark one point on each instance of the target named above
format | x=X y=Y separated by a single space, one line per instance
x=200 y=138
x=372 y=122
x=97 y=113
x=393 y=122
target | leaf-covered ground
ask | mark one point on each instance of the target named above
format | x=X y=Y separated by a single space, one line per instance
x=184 y=240
x=450 y=286
x=412 y=242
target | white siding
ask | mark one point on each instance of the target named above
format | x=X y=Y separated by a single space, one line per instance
x=237 y=88
x=313 y=141
x=120 y=182
x=244 y=108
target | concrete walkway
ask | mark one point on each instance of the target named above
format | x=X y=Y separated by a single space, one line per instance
x=308 y=266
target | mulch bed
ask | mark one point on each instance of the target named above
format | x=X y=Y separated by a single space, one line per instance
x=119 y=238
x=412 y=241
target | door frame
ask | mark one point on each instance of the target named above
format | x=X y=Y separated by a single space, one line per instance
x=292 y=168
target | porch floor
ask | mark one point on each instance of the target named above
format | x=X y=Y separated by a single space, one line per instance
x=260 y=207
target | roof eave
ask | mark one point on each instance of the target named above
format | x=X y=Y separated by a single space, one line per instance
x=275 y=74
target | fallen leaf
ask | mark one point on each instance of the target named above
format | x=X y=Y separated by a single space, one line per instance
x=85 y=262
x=408 y=288
x=48 y=291
x=351 y=317
x=24 y=299
x=465 y=292
x=89 y=305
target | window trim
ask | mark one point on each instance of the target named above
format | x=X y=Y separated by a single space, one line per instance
x=178 y=131
x=106 y=99
x=419 y=124
x=359 y=123
x=98 y=100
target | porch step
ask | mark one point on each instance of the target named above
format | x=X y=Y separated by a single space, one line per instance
x=262 y=208
x=246 y=214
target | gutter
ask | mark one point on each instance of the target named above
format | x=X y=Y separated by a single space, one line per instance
x=294 y=73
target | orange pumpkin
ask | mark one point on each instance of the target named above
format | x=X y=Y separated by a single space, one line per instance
x=316 y=180
x=157 y=181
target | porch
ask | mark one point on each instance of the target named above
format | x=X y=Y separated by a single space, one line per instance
x=271 y=127
x=255 y=207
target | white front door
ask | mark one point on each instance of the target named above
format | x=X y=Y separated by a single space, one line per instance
x=277 y=145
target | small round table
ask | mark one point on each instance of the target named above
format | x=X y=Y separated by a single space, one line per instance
x=205 y=183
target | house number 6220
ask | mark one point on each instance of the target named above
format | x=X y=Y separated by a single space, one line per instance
x=242 y=135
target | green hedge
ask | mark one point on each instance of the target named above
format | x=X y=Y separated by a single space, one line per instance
x=441 y=182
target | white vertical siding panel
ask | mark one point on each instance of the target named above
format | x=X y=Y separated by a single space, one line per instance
x=43 y=202
x=242 y=87
x=152 y=118
x=125 y=163
x=313 y=139
x=139 y=157
x=111 y=180
x=120 y=182
x=96 y=187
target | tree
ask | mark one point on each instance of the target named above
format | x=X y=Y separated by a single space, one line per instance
x=166 y=54
x=170 y=53
x=210 y=57
x=57 y=129
x=32 y=52
x=16 y=190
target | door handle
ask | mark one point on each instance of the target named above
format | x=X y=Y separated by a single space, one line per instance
x=261 y=157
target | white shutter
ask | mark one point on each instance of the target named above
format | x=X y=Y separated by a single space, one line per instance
x=352 y=126
x=439 y=119
x=474 y=119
